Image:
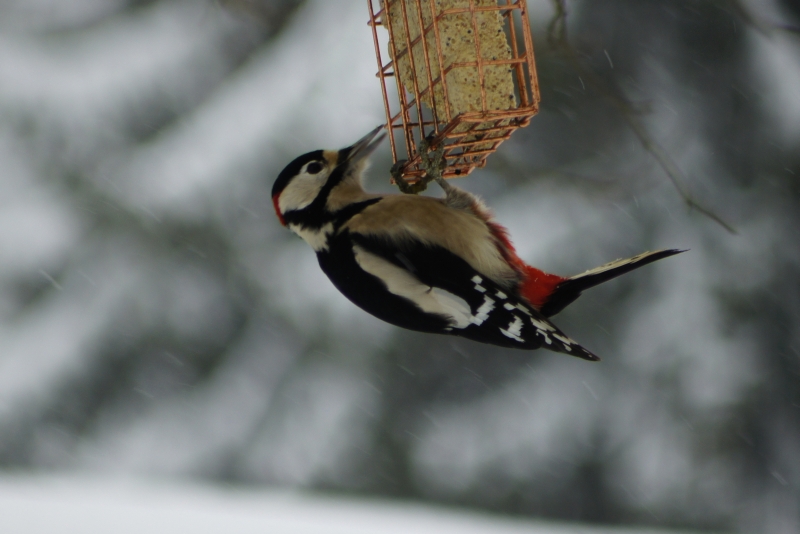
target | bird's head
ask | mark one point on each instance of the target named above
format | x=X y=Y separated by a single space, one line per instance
x=305 y=183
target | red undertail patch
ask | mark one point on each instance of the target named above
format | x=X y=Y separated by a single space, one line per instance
x=536 y=285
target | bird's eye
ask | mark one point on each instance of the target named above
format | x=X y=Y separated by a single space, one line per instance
x=314 y=167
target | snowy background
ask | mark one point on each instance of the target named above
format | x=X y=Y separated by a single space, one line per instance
x=156 y=322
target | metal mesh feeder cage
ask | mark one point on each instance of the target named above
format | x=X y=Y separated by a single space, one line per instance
x=464 y=74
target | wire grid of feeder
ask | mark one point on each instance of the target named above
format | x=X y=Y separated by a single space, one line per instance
x=468 y=133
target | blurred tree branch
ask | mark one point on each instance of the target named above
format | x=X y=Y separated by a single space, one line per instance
x=758 y=23
x=269 y=14
x=557 y=38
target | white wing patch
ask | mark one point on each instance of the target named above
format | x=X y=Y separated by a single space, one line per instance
x=477 y=281
x=458 y=307
x=523 y=309
x=565 y=340
x=514 y=329
x=541 y=325
x=545 y=330
x=483 y=312
x=511 y=307
x=429 y=299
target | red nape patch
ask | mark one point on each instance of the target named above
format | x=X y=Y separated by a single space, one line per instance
x=537 y=286
x=278 y=209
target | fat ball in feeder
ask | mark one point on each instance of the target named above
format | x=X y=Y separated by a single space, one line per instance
x=465 y=78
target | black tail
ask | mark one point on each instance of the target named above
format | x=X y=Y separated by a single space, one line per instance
x=570 y=289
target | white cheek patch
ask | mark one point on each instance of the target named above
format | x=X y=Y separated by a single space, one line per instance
x=301 y=192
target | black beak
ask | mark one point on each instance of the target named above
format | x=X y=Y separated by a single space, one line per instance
x=365 y=146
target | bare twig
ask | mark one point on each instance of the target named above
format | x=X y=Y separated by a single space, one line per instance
x=557 y=37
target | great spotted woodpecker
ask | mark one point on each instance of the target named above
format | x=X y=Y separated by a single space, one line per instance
x=440 y=265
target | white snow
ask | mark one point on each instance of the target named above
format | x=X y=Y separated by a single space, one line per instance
x=30 y=505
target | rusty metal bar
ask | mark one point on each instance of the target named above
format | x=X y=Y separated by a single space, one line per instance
x=428 y=71
x=407 y=131
x=526 y=35
x=479 y=56
x=435 y=20
x=382 y=73
x=411 y=60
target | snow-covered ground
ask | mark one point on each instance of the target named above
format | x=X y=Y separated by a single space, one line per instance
x=68 y=505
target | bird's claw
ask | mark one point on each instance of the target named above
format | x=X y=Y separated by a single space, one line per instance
x=402 y=184
x=433 y=163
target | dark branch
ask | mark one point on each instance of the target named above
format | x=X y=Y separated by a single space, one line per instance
x=557 y=38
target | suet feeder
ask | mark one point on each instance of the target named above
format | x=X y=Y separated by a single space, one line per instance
x=465 y=78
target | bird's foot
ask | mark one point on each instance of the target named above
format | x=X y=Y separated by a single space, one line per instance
x=402 y=183
x=433 y=163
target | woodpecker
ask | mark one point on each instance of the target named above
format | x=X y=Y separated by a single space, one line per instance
x=438 y=265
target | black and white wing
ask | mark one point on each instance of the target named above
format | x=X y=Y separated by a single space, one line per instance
x=430 y=289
